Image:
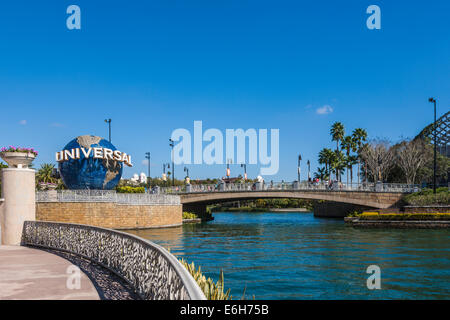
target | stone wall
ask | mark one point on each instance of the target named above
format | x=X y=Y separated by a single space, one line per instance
x=415 y=209
x=111 y=215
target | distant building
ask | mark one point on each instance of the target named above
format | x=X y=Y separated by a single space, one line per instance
x=142 y=178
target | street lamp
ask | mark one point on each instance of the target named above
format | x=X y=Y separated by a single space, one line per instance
x=187 y=174
x=228 y=167
x=298 y=167
x=164 y=177
x=432 y=100
x=147 y=156
x=243 y=165
x=108 y=121
x=309 y=174
x=172 y=144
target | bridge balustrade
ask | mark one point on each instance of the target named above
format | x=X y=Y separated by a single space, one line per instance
x=106 y=196
x=295 y=186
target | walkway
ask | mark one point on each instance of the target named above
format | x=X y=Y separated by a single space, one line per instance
x=27 y=273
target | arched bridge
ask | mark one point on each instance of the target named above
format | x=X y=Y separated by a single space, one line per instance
x=339 y=200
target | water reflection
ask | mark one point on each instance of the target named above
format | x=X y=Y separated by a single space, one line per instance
x=167 y=237
x=297 y=256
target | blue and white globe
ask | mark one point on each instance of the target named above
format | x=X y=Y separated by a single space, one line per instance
x=90 y=173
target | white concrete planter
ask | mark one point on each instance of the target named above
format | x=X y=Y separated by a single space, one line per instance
x=18 y=159
x=43 y=185
x=51 y=186
x=47 y=186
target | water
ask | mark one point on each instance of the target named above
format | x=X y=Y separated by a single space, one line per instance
x=297 y=256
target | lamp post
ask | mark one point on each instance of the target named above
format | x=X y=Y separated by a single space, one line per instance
x=243 y=165
x=147 y=156
x=171 y=144
x=165 y=165
x=309 y=174
x=108 y=121
x=432 y=100
x=228 y=168
x=298 y=167
x=164 y=173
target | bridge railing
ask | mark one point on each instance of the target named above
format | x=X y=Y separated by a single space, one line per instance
x=153 y=272
x=293 y=186
x=106 y=196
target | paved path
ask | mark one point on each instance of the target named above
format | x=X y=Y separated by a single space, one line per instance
x=27 y=273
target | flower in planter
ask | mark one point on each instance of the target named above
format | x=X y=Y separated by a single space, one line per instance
x=18 y=149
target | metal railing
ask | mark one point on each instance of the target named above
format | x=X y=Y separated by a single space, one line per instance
x=106 y=196
x=153 y=272
x=292 y=186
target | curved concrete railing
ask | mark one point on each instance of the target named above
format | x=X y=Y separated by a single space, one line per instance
x=152 y=271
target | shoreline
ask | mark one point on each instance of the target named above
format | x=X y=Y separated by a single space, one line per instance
x=289 y=210
x=197 y=220
x=245 y=209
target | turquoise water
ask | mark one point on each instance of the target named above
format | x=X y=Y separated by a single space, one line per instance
x=297 y=256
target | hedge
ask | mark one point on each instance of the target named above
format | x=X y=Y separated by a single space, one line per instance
x=404 y=216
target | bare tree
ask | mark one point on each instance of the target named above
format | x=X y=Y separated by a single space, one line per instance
x=411 y=155
x=379 y=157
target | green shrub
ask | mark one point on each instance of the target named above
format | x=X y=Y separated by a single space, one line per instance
x=404 y=216
x=189 y=215
x=426 y=197
x=212 y=291
x=129 y=189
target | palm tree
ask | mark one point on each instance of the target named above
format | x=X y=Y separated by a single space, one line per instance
x=321 y=174
x=359 y=136
x=45 y=173
x=337 y=133
x=352 y=160
x=325 y=157
x=348 y=144
x=338 y=163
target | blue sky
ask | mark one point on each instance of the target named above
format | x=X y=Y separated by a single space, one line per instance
x=154 y=66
